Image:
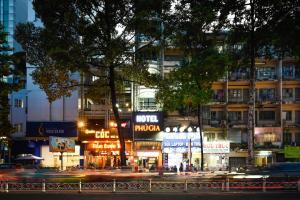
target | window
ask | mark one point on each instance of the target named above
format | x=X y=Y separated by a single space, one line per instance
x=267 y=94
x=287 y=138
x=147 y=104
x=218 y=95
x=235 y=116
x=209 y=136
x=221 y=136
x=235 y=94
x=266 y=73
x=288 y=71
x=287 y=115
x=216 y=115
x=267 y=115
x=19 y=127
x=297 y=139
x=19 y=103
x=287 y=93
x=297 y=94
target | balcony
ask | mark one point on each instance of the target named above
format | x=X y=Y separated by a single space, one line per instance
x=237 y=76
x=237 y=123
x=267 y=123
x=103 y=110
x=290 y=124
x=237 y=100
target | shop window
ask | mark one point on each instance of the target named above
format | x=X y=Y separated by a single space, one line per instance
x=267 y=115
x=287 y=138
x=18 y=103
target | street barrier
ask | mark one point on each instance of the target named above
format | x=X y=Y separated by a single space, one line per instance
x=190 y=186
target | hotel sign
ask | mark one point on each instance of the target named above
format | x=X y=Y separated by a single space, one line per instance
x=147 y=125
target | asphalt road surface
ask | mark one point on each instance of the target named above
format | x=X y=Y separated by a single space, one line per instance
x=149 y=196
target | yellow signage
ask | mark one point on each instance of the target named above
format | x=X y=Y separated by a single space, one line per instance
x=101 y=134
x=145 y=127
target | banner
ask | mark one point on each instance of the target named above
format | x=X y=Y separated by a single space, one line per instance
x=61 y=144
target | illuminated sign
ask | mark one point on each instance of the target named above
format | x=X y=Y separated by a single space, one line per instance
x=146 y=128
x=180 y=143
x=61 y=144
x=104 y=146
x=102 y=134
x=147 y=125
x=150 y=118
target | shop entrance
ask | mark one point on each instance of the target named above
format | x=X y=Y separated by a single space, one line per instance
x=150 y=163
x=96 y=160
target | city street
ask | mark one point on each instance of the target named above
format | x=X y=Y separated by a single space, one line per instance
x=148 y=196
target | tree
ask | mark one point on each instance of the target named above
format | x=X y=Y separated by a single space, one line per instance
x=194 y=29
x=259 y=28
x=9 y=75
x=95 y=37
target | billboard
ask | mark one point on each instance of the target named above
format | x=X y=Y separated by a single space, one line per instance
x=180 y=143
x=46 y=129
x=61 y=144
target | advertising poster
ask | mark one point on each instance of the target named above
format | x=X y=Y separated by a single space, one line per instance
x=61 y=144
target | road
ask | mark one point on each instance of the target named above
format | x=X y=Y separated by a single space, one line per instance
x=149 y=196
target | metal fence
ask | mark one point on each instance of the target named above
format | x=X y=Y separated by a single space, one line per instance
x=154 y=186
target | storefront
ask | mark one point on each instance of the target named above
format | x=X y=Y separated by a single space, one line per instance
x=38 y=133
x=102 y=148
x=147 y=140
x=184 y=147
x=269 y=140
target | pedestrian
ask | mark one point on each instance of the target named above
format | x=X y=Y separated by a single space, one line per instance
x=181 y=167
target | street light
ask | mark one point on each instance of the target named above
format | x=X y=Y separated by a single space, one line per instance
x=81 y=124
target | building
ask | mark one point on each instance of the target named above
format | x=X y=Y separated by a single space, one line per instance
x=34 y=118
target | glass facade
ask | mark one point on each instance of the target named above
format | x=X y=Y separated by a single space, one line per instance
x=7 y=16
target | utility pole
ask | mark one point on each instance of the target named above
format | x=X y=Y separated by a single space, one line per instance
x=251 y=112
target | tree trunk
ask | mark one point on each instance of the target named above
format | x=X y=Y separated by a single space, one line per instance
x=116 y=114
x=199 y=112
x=251 y=112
